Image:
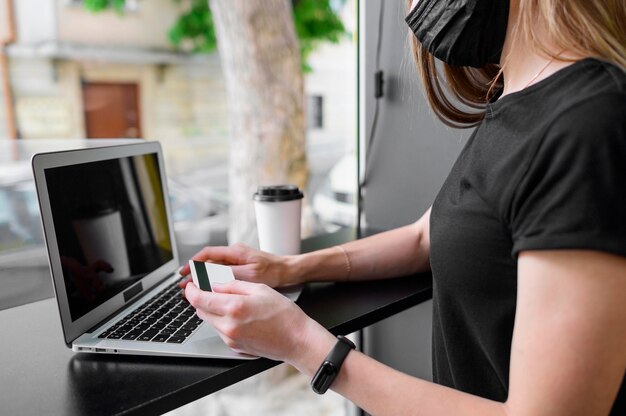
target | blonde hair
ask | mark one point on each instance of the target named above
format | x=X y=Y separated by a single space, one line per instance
x=587 y=28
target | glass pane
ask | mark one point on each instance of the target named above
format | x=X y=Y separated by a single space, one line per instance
x=111 y=83
x=136 y=70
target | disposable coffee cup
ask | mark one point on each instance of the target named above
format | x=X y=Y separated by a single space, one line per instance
x=278 y=210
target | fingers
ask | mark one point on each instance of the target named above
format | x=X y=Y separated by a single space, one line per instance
x=249 y=272
x=222 y=255
x=243 y=272
x=209 y=302
x=237 y=287
x=223 y=328
x=183 y=283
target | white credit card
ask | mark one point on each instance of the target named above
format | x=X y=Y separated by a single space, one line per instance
x=206 y=274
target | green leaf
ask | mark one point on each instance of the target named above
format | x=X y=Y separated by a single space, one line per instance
x=315 y=21
x=96 y=6
x=118 y=5
x=196 y=26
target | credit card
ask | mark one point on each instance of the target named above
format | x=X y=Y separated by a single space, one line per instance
x=204 y=274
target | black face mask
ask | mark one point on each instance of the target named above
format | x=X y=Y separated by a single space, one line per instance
x=461 y=32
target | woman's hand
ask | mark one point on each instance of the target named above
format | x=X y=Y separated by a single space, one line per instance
x=254 y=319
x=248 y=264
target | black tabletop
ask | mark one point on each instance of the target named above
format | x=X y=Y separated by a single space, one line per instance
x=41 y=376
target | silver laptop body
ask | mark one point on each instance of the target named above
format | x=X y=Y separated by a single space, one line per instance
x=111 y=247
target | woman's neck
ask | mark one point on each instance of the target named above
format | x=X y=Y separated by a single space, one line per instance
x=522 y=71
x=523 y=64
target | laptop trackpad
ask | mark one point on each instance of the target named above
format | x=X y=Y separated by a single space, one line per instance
x=208 y=340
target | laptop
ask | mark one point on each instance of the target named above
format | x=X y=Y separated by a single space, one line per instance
x=108 y=228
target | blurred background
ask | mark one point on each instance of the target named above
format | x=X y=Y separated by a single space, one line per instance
x=91 y=73
x=82 y=73
x=270 y=97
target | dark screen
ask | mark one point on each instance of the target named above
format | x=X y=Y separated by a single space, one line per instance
x=111 y=226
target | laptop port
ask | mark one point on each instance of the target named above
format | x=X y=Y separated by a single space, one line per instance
x=101 y=350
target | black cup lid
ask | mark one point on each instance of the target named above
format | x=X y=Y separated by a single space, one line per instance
x=278 y=193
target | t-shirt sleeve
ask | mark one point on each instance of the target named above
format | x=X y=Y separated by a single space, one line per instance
x=573 y=192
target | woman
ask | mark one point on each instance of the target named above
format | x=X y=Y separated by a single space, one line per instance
x=526 y=239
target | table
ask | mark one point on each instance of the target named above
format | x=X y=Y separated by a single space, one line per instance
x=41 y=376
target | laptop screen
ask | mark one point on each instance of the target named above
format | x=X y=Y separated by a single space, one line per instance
x=111 y=226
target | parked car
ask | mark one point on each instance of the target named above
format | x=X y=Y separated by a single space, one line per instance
x=20 y=226
x=24 y=272
x=200 y=215
x=334 y=203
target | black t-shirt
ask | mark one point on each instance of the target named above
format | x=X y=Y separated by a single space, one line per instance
x=546 y=169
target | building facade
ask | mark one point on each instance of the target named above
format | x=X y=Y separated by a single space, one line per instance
x=75 y=74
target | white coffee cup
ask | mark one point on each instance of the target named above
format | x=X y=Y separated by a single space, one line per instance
x=278 y=210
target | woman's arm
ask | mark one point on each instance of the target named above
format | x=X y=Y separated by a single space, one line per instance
x=394 y=253
x=399 y=252
x=568 y=354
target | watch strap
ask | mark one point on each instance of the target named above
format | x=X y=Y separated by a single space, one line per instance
x=329 y=369
x=339 y=352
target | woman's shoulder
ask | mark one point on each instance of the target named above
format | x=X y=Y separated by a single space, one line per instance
x=586 y=86
x=593 y=88
x=597 y=75
x=595 y=119
x=588 y=108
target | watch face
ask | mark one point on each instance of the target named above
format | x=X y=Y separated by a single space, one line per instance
x=324 y=377
x=327 y=372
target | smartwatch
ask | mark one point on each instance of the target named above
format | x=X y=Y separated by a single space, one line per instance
x=329 y=369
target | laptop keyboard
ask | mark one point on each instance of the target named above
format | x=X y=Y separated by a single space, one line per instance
x=166 y=317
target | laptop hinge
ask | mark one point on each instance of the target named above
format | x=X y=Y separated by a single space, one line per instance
x=132 y=292
x=128 y=295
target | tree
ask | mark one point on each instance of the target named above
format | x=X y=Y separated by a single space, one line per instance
x=316 y=21
x=262 y=62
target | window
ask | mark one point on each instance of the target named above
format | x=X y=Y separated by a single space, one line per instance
x=135 y=82
x=315 y=112
x=154 y=77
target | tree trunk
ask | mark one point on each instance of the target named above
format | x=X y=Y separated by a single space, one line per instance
x=260 y=59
